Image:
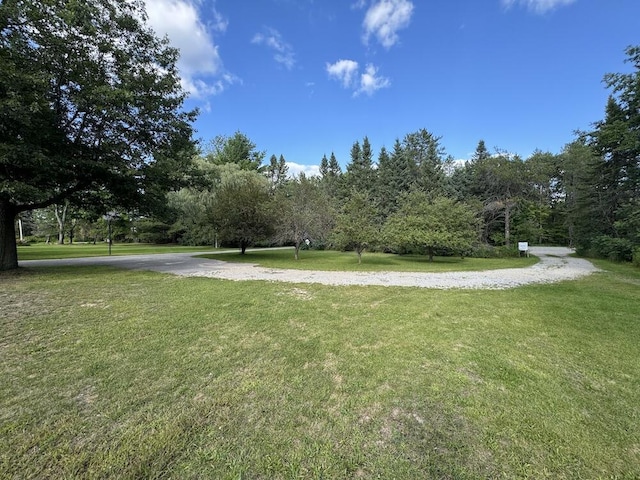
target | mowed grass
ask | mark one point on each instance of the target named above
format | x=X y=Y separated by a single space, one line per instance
x=38 y=251
x=110 y=373
x=330 y=260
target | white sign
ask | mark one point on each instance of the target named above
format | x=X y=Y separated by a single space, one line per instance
x=523 y=246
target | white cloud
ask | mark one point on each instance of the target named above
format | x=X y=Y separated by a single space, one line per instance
x=370 y=82
x=219 y=23
x=538 y=6
x=384 y=18
x=283 y=51
x=295 y=169
x=343 y=70
x=347 y=72
x=200 y=64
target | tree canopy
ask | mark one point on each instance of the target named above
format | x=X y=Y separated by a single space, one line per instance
x=90 y=110
x=422 y=224
x=240 y=211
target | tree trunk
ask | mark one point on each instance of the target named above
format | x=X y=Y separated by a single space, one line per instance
x=297 y=250
x=507 y=226
x=8 y=247
x=359 y=251
x=243 y=248
x=430 y=251
x=61 y=218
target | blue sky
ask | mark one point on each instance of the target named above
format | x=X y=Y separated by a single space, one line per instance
x=304 y=78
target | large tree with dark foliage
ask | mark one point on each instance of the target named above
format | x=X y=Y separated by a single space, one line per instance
x=90 y=110
x=614 y=204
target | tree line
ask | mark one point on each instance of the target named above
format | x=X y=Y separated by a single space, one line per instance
x=92 y=121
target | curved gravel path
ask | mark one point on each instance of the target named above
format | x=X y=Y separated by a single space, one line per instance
x=555 y=265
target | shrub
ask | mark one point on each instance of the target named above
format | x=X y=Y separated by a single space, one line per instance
x=489 y=251
x=615 y=249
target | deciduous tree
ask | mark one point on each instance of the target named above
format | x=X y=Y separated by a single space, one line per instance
x=241 y=210
x=422 y=224
x=357 y=226
x=238 y=149
x=303 y=212
x=90 y=110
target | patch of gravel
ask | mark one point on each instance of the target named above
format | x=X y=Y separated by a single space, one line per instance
x=555 y=265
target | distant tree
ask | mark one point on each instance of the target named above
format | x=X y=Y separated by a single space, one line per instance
x=384 y=194
x=424 y=150
x=422 y=224
x=481 y=153
x=357 y=226
x=238 y=149
x=334 y=166
x=303 y=213
x=534 y=221
x=360 y=173
x=324 y=166
x=500 y=182
x=462 y=180
x=91 y=111
x=277 y=171
x=331 y=177
x=367 y=153
x=580 y=211
x=192 y=222
x=241 y=211
x=396 y=174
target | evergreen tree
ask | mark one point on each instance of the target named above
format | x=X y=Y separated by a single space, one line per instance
x=360 y=174
x=324 y=166
x=396 y=175
x=615 y=180
x=426 y=153
x=334 y=166
x=576 y=165
x=481 y=152
x=277 y=172
x=331 y=177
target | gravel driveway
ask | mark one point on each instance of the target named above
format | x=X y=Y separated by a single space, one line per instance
x=555 y=265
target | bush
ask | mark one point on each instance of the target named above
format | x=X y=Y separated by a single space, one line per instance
x=615 y=249
x=489 y=251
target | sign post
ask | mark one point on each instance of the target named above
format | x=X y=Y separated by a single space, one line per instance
x=523 y=247
x=109 y=217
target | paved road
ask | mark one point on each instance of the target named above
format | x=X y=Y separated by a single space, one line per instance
x=555 y=265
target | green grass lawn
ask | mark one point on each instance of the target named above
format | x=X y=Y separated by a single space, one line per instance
x=110 y=373
x=39 y=251
x=348 y=261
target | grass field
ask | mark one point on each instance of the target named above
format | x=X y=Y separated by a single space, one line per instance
x=119 y=374
x=348 y=261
